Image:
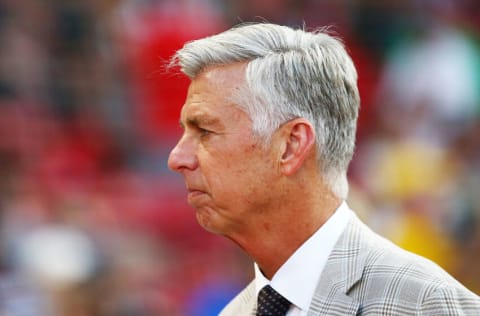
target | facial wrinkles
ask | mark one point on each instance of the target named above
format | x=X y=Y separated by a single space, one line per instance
x=208 y=106
x=207 y=110
x=232 y=166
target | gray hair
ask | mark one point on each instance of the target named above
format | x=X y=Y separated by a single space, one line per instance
x=290 y=73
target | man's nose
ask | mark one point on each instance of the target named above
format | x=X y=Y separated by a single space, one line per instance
x=182 y=157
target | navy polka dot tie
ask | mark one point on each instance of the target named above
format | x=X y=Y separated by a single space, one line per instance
x=271 y=303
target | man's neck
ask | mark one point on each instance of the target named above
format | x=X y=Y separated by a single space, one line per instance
x=274 y=239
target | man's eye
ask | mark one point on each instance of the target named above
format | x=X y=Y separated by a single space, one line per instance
x=204 y=132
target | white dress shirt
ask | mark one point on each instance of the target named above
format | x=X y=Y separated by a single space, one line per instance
x=297 y=278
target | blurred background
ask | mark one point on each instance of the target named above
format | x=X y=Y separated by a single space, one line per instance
x=93 y=223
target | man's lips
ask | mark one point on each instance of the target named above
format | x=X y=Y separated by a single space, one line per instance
x=192 y=193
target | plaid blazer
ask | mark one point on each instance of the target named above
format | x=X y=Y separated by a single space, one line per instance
x=368 y=275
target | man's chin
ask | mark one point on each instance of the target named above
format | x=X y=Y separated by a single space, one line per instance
x=206 y=219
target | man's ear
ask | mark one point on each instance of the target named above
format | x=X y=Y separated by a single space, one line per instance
x=299 y=140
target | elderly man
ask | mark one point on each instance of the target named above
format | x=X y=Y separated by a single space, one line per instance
x=269 y=131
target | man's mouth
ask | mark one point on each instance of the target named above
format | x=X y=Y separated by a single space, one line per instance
x=194 y=193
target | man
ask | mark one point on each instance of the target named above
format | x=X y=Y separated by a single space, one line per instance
x=269 y=126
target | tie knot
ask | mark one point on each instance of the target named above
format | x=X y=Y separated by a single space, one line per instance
x=271 y=303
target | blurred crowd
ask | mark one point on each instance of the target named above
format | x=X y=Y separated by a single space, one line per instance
x=93 y=223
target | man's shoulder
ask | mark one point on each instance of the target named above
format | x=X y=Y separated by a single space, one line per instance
x=393 y=267
x=404 y=283
x=370 y=272
x=390 y=273
x=378 y=257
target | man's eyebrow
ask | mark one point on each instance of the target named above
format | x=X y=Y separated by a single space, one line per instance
x=201 y=120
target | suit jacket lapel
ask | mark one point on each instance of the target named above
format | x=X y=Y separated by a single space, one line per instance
x=244 y=303
x=342 y=271
x=250 y=299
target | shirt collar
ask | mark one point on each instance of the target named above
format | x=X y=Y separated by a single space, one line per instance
x=297 y=278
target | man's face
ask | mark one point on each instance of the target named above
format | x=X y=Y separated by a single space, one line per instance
x=226 y=171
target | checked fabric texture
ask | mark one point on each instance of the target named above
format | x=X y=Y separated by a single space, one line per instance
x=271 y=303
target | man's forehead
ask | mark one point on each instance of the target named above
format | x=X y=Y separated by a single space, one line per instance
x=217 y=116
